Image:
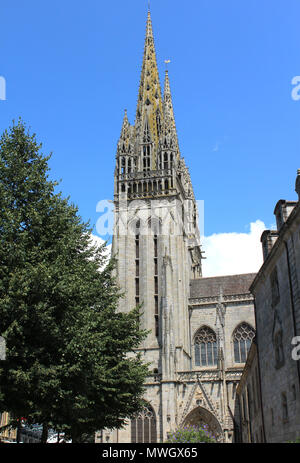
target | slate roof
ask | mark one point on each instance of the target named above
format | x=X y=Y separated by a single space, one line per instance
x=230 y=284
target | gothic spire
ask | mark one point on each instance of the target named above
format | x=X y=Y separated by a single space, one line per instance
x=149 y=106
x=169 y=119
x=124 y=140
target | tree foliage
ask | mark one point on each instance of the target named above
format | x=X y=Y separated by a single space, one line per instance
x=67 y=345
x=192 y=434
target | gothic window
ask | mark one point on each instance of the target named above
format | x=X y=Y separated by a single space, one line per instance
x=143 y=427
x=154 y=224
x=134 y=228
x=274 y=287
x=123 y=165
x=146 y=157
x=242 y=339
x=166 y=161
x=205 y=347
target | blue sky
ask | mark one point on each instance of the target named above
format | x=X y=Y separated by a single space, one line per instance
x=71 y=67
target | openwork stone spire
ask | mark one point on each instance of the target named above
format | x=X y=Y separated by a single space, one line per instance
x=149 y=111
x=124 y=141
x=169 y=135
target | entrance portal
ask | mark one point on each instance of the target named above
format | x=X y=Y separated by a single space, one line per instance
x=200 y=417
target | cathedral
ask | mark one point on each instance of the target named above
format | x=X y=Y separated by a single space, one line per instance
x=200 y=329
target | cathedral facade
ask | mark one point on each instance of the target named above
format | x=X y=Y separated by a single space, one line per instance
x=200 y=329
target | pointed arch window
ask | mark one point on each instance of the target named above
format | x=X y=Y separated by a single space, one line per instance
x=147 y=157
x=242 y=339
x=129 y=165
x=123 y=165
x=143 y=427
x=205 y=345
x=166 y=161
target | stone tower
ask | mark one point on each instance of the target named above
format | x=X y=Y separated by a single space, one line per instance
x=200 y=329
x=156 y=239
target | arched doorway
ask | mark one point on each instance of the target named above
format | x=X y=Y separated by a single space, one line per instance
x=199 y=417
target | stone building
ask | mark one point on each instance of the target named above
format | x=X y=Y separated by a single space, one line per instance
x=249 y=402
x=201 y=328
x=277 y=306
x=7 y=433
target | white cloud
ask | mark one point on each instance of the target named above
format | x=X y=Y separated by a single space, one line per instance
x=97 y=241
x=233 y=253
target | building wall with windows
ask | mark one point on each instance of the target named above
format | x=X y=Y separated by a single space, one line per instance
x=248 y=402
x=277 y=300
x=222 y=327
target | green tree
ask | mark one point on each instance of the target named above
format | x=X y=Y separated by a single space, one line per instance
x=68 y=348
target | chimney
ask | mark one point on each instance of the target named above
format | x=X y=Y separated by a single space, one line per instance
x=268 y=239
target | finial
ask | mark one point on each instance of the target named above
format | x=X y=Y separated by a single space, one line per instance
x=167 y=61
x=148 y=5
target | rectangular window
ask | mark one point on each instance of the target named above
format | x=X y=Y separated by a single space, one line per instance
x=155 y=285
x=155 y=246
x=156 y=326
x=155 y=266
x=156 y=304
x=274 y=287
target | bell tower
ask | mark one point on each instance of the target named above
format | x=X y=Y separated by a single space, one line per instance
x=156 y=238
